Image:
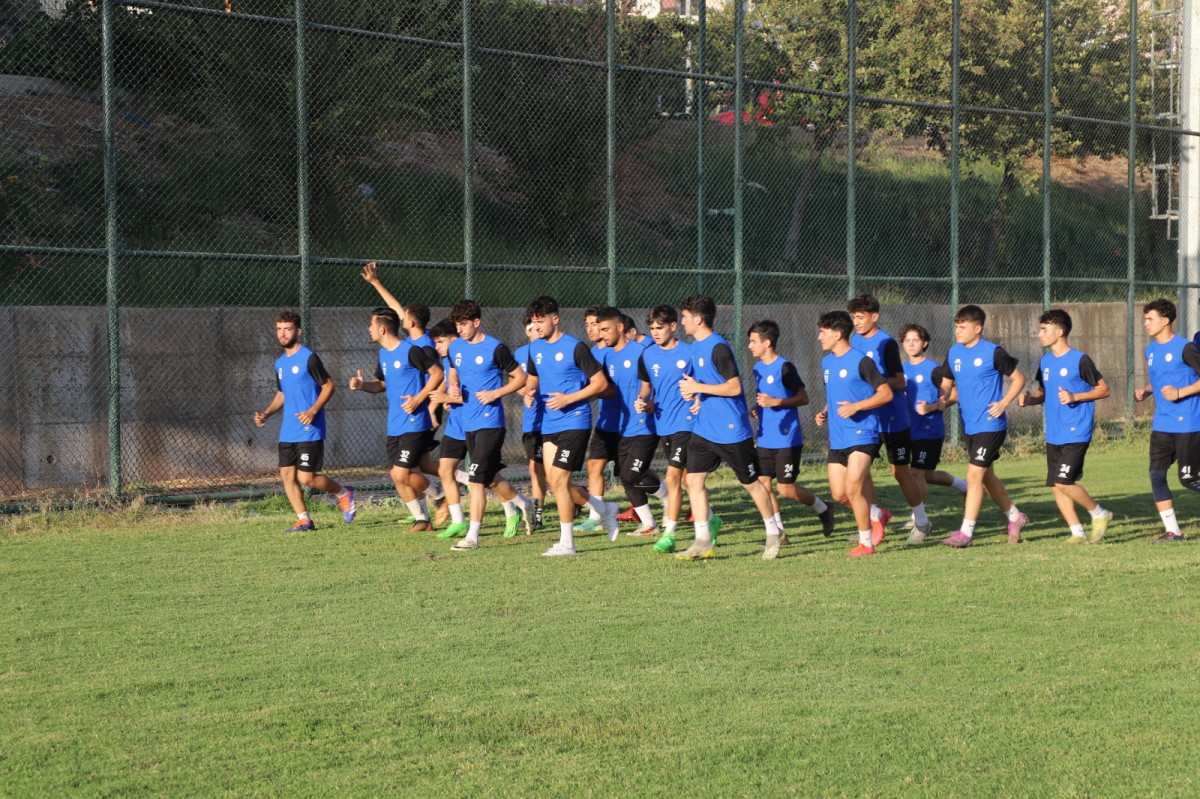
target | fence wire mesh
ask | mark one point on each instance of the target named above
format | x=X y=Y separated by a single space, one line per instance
x=263 y=150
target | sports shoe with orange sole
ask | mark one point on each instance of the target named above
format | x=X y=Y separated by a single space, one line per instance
x=879 y=527
x=860 y=550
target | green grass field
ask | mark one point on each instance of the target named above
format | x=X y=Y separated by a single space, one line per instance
x=154 y=652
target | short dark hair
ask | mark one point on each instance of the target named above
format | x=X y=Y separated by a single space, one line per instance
x=971 y=313
x=419 y=312
x=627 y=320
x=607 y=313
x=465 y=311
x=1057 y=317
x=389 y=317
x=662 y=314
x=288 y=317
x=444 y=329
x=766 y=329
x=701 y=305
x=592 y=310
x=544 y=305
x=863 y=303
x=921 y=332
x=526 y=319
x=839 y=321
x=1163 y=307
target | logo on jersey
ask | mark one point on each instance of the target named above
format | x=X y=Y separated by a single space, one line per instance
x=627 y=364
x=1046 y=374
x=919 y=378
x=396 y=365
x=281 y=373
x=1062 y=372
x=295 y=370
x=458 y=359
x=826 y=377
x=770 y=379
x=700 y=362
x=558 y=356
x=479 y=360
x=979 y=361
x=654 y=368
x=1169 y=357
x=842 y=374
x=958 y=364
x=538 y=359
x=681 y=364
x=870 y=353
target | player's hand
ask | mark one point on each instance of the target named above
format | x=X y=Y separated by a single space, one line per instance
x=356 y=382
x=1170 y=393
x=370 y=273
x=306 y=417
x=487 y=396
x=410 y=403
x=754 y=412
x=694 y=408
x=1065 y=397
x=556 y=401
x=260 y=418
x=821 y=418
x=846 y=409
x=688 y=387
x=527 y=398
x=924 y=408
x=1140 y=394
x=996 y=409
x=643 y=405
x=766 y=400
x=1023 y=399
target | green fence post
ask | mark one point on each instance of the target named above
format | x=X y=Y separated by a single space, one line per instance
x=701 y=114
x=468 y=156
x=1130 y=265
x=610 y=175
x=739 y=105
x=1047 y=67
x=302 y=233
x=113 y=300
x=851 y=143
x=955 y=110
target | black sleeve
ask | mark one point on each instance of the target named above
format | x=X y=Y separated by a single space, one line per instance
x=378 y=370
x=643 y=372
x=724 y=362
x=1005 y=364
x=1091 y=375
x=504 y=359
x=432 y=354
x=1041 y=383
x=870 y=373
x=530 y=363
x=892 y=364
x=940 y=373
x=1191 y=356
x=418 y=358
x=584 y=359
x=316 y=370
x=947 y=371
x=791 y=379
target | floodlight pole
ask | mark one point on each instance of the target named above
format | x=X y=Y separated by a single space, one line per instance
x=1188 y=273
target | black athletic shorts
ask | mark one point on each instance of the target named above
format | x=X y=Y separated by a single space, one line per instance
x=983 y=449
x=405 y=451
x=705 y=456
x=899 y=446
x=605 y=447
x=927 y=453
x=484 y=447
x=452 y=448
x=306 y=456
x=1167 y=448
x=783 y=464
x=635 y=454
x=1064 y=463
x=841 y=457
x=533 y=446
x=570 y=448
x=676 y=448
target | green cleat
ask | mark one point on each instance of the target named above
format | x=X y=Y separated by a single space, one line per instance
x=714 y=527
x=456 y=530
x=1100 y=527
x=588 y=524
x=1074 y=539
x=511 y=524
x=666 y=543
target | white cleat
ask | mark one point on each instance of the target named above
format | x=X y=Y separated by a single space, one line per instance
x=558 y=549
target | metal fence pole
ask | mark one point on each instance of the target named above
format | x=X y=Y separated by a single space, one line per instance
x=739 y=105
x=111 y=245
x=1047 y=67
x=302 y=232
x=610 y=175
x=851 y=143
x=955 y=111
x=701 y=114
x=1130 y=259
x=468 y=156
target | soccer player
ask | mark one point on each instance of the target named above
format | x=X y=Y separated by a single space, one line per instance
x=855 y=390
x=637 y=436
x=721 y=432
x=631 y=330
x=604 y=442
x=484 y=370
x=927 y=422
x=407 y=374
x=1173 y=369
x=531 y=433
x=454 y=438
x=302 y=389
x=978 y=368
x=894 y=431
x=564 y=374
x=1073 y=383
x=779 y=392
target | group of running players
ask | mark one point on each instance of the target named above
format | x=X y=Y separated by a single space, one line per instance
x=688 y=397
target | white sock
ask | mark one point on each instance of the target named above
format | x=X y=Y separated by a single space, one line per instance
x=710 y=513
x=968 y=527
x=819 y=505
x=875 y=514
x=671 y=525
x=959 y=483
x=769 y=525
x=644 y=515
x=1169 y=521
x=473 y=531
x=510 y=509
x=462 y=477
x=1097 y=512
x=702 y=533
x=661 y=491
x=566 y=534
x=918 y=512
x=417 y=510
x=864 y=538
x=1077 y=531
x=456 y=514
x=778 y=522
x=523 y=502
x=1014 y=513
x=303 y=516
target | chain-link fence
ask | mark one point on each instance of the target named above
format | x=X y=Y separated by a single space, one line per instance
x=171 y=174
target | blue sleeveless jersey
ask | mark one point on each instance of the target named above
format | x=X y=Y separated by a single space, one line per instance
x=558 y=372
x=608 y=410
x=777 y=427
x=1066 y=424
x=979 y=385
x=477 y=371
x=622 y=369
x=1166 y=367
x=663 y=369
x=452 y=425
x=894 y=416
x=402 y=379
x=722 y=420
x=921 y=386
x=531 y=418
x=300 y=390
x=844 y=383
